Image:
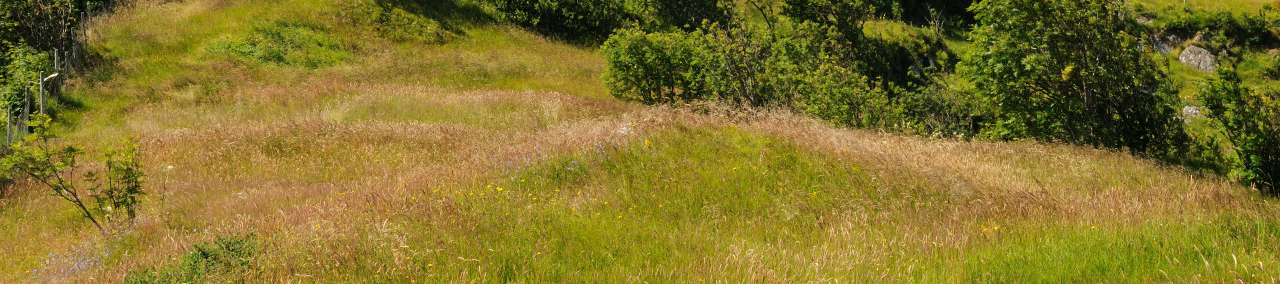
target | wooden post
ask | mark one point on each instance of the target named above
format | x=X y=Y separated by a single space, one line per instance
x=42 y=92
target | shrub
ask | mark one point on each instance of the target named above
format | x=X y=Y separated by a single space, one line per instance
x=1071 y=70
x=223 y=256
x=395 y=23
x=1250 y=120
x=580 y=21
x=21 y=76
x=845 y=16
x=805 y=66
x=56 y=166
x=1235 y=29
x=284 y=43
x=656 y=67
x=691 y=14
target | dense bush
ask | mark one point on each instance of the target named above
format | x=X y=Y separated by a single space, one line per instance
x=804 y=66
x=656 y=67
x=581 y=21
x=1244 y=29
x=284 y=43
x=845 y=16
x=690 y=14
x=218 y=259
x=1250 y=120
x=394 y=22
x=19 y=80
x=1071 y=70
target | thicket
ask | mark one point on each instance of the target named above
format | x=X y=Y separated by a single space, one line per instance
x=1250 y=120
x=1073 y=71
x=593 y=21
x=818 y=61
x=284 y=43
x=224 y=256
x=581 y=21
x=39 y=39
x=1231 y=29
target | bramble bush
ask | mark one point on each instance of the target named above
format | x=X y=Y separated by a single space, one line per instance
x=1250 y=120
x=1071 y=70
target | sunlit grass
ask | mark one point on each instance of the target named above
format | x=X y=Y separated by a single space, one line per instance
x=498 y=156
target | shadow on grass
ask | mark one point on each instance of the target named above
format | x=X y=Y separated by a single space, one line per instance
x=450 y=14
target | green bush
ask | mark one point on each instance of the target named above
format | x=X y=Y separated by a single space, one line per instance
x=845 y=16
x=1073 y=71
x=656 y=67
x=691 y=14
x=1250 y=120
x=20 y=78
x=115 y=191
x=284 y=43
x=807 y=67
x=1244 y=29
x=221 y=257
x=394 y=22
x=580 y=21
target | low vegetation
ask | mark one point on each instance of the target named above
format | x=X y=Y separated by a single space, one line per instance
x=498 y=140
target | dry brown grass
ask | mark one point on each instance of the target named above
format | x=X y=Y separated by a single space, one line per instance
x=367 y=167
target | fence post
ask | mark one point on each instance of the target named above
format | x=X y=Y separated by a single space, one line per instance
x=41 y=92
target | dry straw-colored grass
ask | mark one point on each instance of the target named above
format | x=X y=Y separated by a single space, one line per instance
x=367 y=167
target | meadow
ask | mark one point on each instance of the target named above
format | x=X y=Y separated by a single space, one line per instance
x=292 y=141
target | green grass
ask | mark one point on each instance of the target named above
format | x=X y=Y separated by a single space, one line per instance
x=394 y=141
x=1237 y=6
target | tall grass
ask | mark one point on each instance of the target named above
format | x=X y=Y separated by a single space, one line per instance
x=496 y=156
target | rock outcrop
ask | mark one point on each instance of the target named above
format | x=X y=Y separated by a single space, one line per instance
x=1199 y=58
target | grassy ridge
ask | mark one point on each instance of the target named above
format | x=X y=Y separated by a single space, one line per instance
x=496 y=156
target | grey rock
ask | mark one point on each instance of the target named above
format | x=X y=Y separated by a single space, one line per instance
x=1199 y=58
x=1192 y=112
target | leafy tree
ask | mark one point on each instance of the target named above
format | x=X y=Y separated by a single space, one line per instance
x=582 y=21
x=846 y=16
x=1071 y=70
x=101 y=197
x=690 y=14
x=1250 y=119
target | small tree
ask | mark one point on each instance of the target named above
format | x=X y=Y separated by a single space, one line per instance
x=1250 y=119
x=113 y=194
x=1071 y=70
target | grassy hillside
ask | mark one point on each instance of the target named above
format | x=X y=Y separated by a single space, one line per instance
x=299 y=141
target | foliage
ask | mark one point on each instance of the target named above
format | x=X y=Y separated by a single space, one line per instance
x=43 y=24
x=285 y=43
x=656 y=68
x=57 y=167
x=395 y=23
x=1250 y=119
x=580 y=21
x=845 y=16
x=1236 y=29
x=691 y=14
x=222 y=256
x=805 y=66
x=20 y=78
x=1072 y=71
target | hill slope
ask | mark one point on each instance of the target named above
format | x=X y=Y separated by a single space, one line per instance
x=294 y=141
